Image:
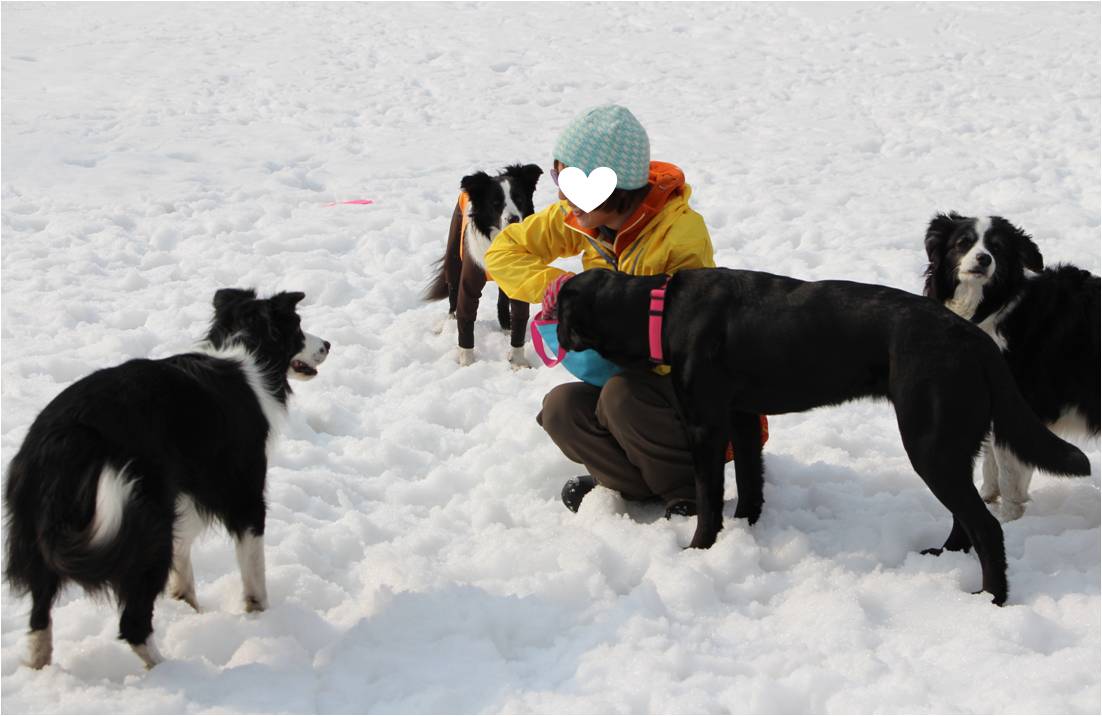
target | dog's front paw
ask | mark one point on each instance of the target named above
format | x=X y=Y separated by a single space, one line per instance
x=989 y=493
x=466 y=356
x=255 y=604
x=1010 y=510
x=517 y=359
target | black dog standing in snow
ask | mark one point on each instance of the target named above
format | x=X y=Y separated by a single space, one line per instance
x=123 y=469
x=485 y=206
x=744 y=343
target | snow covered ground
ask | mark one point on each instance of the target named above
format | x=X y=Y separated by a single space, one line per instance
x=419 y=558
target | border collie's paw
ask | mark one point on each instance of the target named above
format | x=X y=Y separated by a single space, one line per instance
x=517 y=359
x=1010 y=510
x=466 y=356
x=255 y=604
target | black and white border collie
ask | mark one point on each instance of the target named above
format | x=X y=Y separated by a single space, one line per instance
x=1045 y=321
x=486 y=205
x=123 y=469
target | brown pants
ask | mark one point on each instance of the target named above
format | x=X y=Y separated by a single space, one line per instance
x=627 y=434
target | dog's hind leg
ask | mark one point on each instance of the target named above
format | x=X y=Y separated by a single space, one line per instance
x=989 y=489
x=1014 y=479
x=749 y=470
x=188 y=526
x=44 y=590
x=137 y=594
x=249 y=547
x=958 y=541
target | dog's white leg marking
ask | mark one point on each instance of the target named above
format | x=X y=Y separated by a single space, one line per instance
x=148 y=652
x=188 y=526
x=989 y=490
x=517 y=358
x=40 y=647
x=112 y=493
x=250 y=560
x=1014 y=478
x=466 y=356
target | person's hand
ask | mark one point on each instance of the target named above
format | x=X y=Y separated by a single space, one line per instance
x=551 y=296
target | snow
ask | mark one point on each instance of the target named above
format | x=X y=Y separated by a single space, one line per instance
x=419 y=559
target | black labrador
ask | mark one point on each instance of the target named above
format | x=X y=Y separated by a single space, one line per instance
x=744 y=343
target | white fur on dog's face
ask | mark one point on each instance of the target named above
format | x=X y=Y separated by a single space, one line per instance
x=304 y=366
x=970 y=268
x=972 y=275
x=511 y=214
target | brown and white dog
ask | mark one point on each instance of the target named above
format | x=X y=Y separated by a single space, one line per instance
x=486 y=205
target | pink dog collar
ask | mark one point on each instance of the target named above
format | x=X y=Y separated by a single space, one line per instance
x=657 y=308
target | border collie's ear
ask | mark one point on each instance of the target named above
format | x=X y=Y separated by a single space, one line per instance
x=285 y=301
x=938 y=233
x=529 y=174
x=475 y=183
x=1027 y=250
x=226 y=297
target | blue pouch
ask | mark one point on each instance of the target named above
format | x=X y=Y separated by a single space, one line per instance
x=587 y=365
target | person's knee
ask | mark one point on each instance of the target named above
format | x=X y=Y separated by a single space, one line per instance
x=615 y=401
x=563 y=407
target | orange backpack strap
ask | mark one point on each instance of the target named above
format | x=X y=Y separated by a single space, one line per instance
x=730 y=454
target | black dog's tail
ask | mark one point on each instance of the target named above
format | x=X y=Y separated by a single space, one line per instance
x=1018 y=428
x=87 y=535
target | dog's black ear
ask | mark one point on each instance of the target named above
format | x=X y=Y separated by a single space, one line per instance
x=476 y=183
x=286 y=300
x=937 y=234
x=1027 y=250
x=528 y=174
x=227 y=297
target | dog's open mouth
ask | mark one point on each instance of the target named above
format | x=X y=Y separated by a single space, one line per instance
x=303 y=369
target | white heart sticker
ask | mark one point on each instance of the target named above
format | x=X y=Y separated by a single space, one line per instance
x=587 y=192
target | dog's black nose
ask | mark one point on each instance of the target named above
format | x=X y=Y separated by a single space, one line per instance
x=327 y=345
x=512 y=219
x=983 y=260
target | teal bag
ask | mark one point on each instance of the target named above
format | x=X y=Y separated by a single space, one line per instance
x=587 y=365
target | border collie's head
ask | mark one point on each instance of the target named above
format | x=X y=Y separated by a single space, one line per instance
x=503 y=199
x=269 y=329
x=976 y=265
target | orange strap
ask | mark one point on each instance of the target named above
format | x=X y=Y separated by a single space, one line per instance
x=764 y=439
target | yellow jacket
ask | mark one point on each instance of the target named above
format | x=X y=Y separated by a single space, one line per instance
x=664 y=235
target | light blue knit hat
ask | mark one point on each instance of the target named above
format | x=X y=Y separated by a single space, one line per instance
x=607 y=136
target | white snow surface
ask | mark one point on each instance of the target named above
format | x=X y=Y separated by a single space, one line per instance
x=419 y=558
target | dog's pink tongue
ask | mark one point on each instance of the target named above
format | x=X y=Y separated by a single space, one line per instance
x=301 y=367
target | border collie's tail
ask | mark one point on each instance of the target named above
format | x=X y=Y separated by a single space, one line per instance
x=42 y=536
x=445 y=282
x=438 y=287
x=1018 y=428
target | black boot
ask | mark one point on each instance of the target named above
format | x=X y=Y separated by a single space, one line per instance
x=575 y=489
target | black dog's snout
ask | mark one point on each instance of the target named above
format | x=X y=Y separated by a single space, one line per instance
x=983 y=260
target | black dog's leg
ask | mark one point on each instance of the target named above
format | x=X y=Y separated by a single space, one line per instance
x=472 y=280
x=749 y=470
x=44 y=588
x=519 y=310
x=958 y=541
x=503 y=310
x=943 y=458
x=703 y=408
